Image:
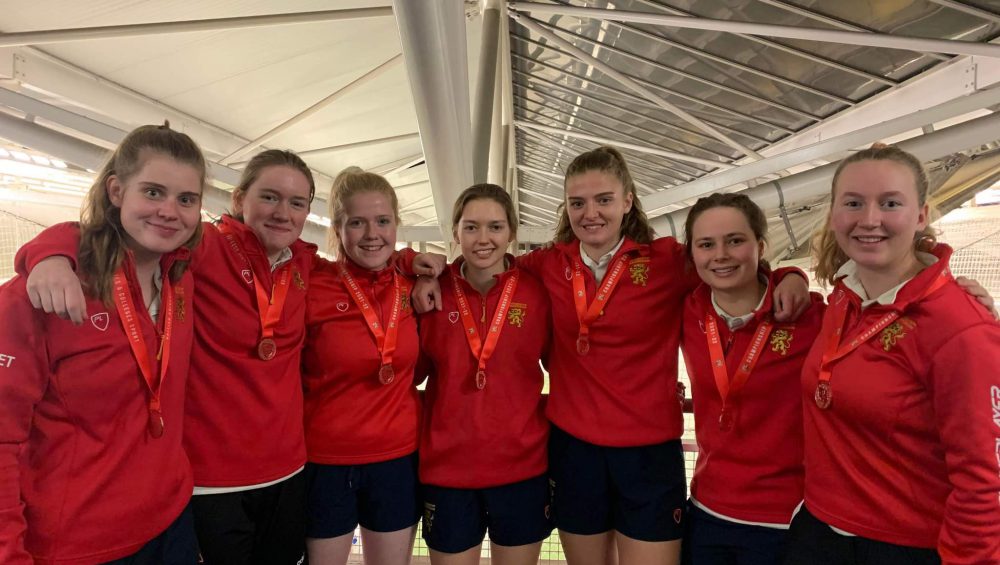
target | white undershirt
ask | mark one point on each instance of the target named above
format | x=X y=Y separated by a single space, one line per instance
x=600 y=267
x=737 y=322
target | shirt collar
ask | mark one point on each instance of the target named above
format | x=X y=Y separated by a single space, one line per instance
x=283 y=257
x=849 y=274
x=603 y=260
x=737 y=322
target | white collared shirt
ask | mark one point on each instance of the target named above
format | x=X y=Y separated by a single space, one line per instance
x=737 y=322
x=154 y=304
x=600 y=267
x=283 y=257
x=849 y=272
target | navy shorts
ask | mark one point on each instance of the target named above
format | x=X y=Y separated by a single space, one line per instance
x=177 y=545
x=709 y=540
x=639 y=491
x=812 y=542
x=382 y=497
x=516 y=514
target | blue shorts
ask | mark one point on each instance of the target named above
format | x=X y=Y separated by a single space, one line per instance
x=639 y=491
x=381 y=497
x=177 y=545
x=457 y=519
x=714 y=541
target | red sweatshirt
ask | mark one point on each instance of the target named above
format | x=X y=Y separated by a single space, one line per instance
x=624 y=391
x=475 y=438
x=82 y=480
x=235 y=399
x=754 y=471
x=350 y=416
x=909 y=451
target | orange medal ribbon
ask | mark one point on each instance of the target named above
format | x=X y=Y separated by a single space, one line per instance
x=730 y=389
x=588 y=315
x=483 y=352
x=269 y=307
x=834 y=351
x=385 y=338
x=130 y=323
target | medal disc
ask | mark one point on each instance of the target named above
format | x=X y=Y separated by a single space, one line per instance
x=386 y=374
x=582 y=345
x=266 y=349
x=480 y=379
x=726 y=421
x=823 y=395
x=155 y=424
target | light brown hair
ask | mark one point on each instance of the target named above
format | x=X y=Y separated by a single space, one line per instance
x=828 y=257
x=352 y=181
x=608 y=160
x=271 y=158
x=485 y=191
x=102 y=237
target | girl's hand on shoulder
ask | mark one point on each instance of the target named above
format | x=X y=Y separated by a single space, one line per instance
x=791 y=298
x=981 y=295
x=429 y=264
x=53 y=287
x=426 y=295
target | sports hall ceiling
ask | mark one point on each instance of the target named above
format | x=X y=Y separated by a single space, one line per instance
x=701 y=95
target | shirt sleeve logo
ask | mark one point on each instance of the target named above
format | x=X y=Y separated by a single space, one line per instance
x=247 y=275
x=516 y=314
x=342 y=306
x=453 y=317
x=100 y=321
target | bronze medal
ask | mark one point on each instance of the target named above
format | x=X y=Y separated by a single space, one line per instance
x=823 y=395
x=481 y=379
x=726 y=421
x=266 y=349
x=386 y=375
x=582 y=345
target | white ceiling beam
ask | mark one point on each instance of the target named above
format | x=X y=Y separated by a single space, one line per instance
x=541 y=195
x=483 y=107
x=433 y=39
x=531 y=216
x=413 y=162
x=132 y=30
x=888 y=41
x=542 y=173
x=635 y=147
x=971 y=10
x=384 y=168
x=655 y=204
x=310 y=111
x=540 y=210
x=359 y=144
x=585 y=57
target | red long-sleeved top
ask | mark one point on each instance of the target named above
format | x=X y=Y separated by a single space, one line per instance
x=475 y=438
x=754 y=471
x=909 y=451
x=82 y=480
x=235 y=399
x=350 y=416
x=624 y=391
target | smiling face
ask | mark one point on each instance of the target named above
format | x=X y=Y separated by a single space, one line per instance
x=724 y=250
x=483 y=234
x=596 y=204
x=275 y=207
x=368 y=230
x=875 y=215
x=160 y=205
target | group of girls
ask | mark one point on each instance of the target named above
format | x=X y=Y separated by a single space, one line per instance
x=898 y=433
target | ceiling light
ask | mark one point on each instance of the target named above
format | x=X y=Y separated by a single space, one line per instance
x=20 y=156
x=40 y=160
x=58 y=164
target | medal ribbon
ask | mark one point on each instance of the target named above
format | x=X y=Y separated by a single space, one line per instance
x=385 y=338
x=130 y=323
x=587 y=315
x=483 y=352
x=834 y=351
x=729 y=389
x=269 y=307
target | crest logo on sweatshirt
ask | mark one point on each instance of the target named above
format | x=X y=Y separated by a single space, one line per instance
x=568 y=274
x=100 y=321
x=516 y=314
x=638 y=269
x=781 y=341
x=297 y=280
x=896 y=331
x=453 y=317
x=342 y=306
x=247 y=276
